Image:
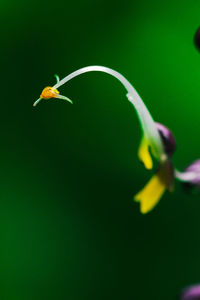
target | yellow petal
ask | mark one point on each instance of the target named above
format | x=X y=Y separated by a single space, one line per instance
x=150 y=195
x=144 y=155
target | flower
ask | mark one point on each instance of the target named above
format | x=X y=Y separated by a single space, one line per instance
x=163 y=179
x=191 y=293
x=157 y=140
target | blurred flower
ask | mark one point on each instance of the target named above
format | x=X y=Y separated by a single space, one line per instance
x=191 y=293
x=191 y=175
x=157 y=140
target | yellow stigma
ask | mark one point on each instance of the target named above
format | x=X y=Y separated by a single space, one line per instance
x=144 y=155
x=49 y=92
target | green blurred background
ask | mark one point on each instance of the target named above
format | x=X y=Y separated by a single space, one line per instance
x=68 y=226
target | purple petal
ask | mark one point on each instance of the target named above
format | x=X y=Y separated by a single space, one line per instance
x=190 y=176
x=194 y=169
x=191 y=293
x=167 y=139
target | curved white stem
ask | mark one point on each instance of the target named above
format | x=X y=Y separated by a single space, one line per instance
x=147 y=122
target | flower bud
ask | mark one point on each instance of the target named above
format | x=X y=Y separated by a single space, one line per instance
x=168 y=139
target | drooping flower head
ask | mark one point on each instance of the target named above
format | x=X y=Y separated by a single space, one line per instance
x=157 y=140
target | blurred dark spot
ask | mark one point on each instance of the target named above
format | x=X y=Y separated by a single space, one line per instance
x=191 y=188
x=197 y=39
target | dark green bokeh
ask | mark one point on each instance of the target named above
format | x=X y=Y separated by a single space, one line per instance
x=69 y=227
